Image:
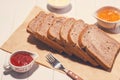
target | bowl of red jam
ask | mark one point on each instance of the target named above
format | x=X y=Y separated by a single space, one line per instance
x=22 y=61
x=108 y=17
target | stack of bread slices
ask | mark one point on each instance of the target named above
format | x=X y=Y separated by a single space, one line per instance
x=75 y=37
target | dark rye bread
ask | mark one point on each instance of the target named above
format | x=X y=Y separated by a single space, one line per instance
x=99 y=45
x=73 y=38
x=64 y=34
x=38 y=20
x=43 y=29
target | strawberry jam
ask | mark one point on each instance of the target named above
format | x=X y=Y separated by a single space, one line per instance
x=21 y=58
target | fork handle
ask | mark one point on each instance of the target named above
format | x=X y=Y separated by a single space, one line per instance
x=73 y=75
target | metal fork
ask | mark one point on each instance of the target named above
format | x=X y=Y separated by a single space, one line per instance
x=56 y=64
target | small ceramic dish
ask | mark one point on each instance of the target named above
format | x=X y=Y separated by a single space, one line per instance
x=108 y=17
x=59 y=4
x=21 y=61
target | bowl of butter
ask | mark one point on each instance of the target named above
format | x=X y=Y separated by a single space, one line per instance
x=59 y=4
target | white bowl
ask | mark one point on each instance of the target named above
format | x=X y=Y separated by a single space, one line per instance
x=59 y=4
x=24 y=68
x=108 y=25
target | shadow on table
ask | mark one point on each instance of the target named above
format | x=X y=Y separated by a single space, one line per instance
x=22 y=75
x=110 y=31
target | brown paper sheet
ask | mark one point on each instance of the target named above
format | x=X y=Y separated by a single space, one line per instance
x=21 y=40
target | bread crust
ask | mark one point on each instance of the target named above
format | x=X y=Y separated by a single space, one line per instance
x=34 y=23
x=73 y=38
x=54 y=30
x=100 y=53
x=64 y=34
x=43 y=29
x=65 y=29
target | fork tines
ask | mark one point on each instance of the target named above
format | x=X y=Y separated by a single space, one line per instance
x=51 y=59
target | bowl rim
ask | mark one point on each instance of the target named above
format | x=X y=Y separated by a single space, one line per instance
x=57 y=6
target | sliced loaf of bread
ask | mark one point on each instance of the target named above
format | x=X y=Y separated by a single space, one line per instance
x=65 y=29
x=99 y=45
x=64 y=34
x=73 y=38
x=38 y=20
x=53 y=32
x=43 y=29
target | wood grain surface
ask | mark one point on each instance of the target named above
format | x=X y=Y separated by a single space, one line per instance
x=22 y=40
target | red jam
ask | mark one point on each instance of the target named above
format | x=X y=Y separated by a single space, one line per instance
x=21 y=58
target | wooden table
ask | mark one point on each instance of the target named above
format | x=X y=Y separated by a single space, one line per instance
x=13 y=13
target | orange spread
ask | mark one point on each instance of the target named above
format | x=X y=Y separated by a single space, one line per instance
x=109 y=15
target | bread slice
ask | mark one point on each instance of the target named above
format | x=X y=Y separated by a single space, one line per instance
x=64 y=34
x=99 y=46
x=65 y=29
x=74 y=32
x=38 y=20
x=53 y=32
x=43 y=29
x=73 y=38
